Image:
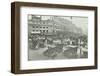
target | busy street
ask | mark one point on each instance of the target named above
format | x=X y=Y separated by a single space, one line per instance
x=53 y=37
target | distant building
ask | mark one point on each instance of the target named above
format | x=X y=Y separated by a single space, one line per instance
x=39 y=26
x=50 y=25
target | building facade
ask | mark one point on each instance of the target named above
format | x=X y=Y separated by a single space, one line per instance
x=49 y=25
x=39 y=26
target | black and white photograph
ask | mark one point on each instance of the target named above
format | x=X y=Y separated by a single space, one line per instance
x=52 y=37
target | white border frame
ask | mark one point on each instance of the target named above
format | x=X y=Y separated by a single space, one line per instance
x=25 y=64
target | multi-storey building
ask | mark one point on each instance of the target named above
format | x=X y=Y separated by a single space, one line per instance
x=39 y=26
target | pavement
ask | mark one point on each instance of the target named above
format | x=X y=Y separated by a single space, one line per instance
x=37 y=54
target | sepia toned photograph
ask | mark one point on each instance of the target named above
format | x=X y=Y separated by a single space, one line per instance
x=53 y=37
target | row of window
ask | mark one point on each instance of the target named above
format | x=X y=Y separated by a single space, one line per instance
x=39 y=27
x=46 y=23
x=40 y=30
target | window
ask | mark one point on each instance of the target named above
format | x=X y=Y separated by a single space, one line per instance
x=43 y=30
x=43 y=22
x=36 y=26
x=40 y=30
